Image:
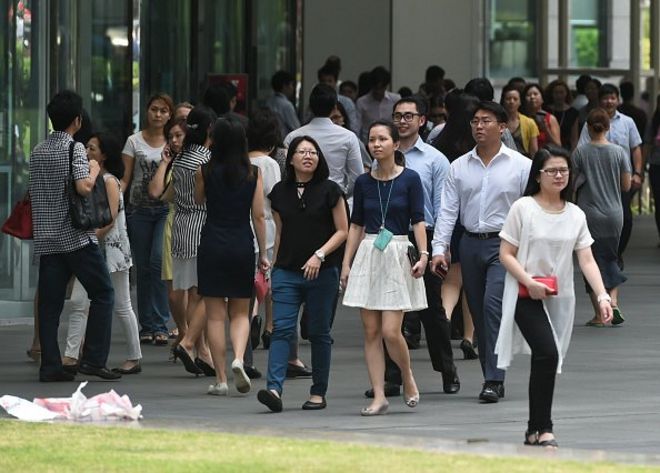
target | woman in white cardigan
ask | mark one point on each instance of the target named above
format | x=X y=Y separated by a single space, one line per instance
x=539 y=236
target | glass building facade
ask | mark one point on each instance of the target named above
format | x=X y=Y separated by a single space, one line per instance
x=115 y=53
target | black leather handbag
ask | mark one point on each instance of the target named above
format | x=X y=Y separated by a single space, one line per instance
x=91 y=211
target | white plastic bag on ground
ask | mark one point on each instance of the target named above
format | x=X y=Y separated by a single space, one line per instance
x=102 y=407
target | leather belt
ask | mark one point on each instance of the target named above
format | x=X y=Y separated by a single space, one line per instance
x=483 y=236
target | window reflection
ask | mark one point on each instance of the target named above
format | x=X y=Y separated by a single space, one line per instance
x=512 y=38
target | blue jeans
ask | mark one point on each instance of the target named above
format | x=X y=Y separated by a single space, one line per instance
x=55 y=271
x=290 y=291
x=146 y=227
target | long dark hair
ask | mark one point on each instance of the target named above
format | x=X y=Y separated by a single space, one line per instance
x=539 y=160
x=110 y=146
x=399 y=158
x=321 y=173
x=229 y=149
x=456 y=138
x=198 y=122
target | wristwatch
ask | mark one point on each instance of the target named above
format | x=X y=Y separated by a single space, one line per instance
x=604 y=297
x=320 y=255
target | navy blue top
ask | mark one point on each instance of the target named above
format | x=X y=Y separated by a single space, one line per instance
x=406 y=205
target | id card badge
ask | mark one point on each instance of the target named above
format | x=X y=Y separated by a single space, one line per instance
x=383 y=238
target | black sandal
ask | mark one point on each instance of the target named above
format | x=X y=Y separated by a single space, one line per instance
x=546 y=443
x=529 y=434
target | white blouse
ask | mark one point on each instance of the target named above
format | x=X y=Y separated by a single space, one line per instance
x=270 y=175
x=546 y=241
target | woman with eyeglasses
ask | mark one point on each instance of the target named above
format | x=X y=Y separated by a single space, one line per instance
x=311 y=227
x=603 y=172
x=539 y=236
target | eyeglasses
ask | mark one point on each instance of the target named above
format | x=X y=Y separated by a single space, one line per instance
x=405 y=117
x=307 y=152
x=554 y=171
x=483 y=121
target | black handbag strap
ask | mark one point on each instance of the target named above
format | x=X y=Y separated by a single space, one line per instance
x=71 y=146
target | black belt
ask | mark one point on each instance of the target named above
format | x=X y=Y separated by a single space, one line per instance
x=483 y=236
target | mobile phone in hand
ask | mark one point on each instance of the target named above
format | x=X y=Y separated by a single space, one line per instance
x=441 y=271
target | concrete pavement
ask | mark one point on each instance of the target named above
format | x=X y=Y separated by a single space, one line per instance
x=607 y=401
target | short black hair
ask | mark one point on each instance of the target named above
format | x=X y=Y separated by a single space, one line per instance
x=380 y=77
x=481 y=88
x=280 y=79
x=434 y=73
x=263 y=132
x=494 y=108
x=86 y=128
x=348 y=84
x=63 y=109
x=539 y=160
x=418 y=101
x=321 y=173
x=216 y=96
x=327 y=70
x=198 y=122
x=405 y=91
x=322 y=100
x=111 y=147
x=582 y=82
x=607 y=89
x=627 y=90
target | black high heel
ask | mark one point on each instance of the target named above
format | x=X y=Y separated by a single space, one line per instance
x=181 y=353
x=205 y=367
x=468 y=350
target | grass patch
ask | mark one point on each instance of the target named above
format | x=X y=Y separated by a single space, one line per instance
x=26 y=447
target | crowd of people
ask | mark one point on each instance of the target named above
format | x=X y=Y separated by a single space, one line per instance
x=398 y=204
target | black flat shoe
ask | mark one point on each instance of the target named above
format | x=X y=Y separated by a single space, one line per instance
x=207 y=369
x=60 y=376
x=468 y=350
x=190 y=366
x=265 y=339
x=270 y=400
x=71 y=369
x=295 y=371
x=252 y=372
x=314 y=406
x=134 y=370
x=255 y=330
x=391 y=390
x=103 y=372
x=450 y=383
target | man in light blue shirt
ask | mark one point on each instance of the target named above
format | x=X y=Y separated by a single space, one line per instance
x=481 y=186
x=283 y=85
x=623 y=132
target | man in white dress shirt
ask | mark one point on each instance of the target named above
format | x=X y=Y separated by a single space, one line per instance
x=340 y=146
x=480 y=187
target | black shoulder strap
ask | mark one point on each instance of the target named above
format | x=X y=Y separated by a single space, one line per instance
x=71 y=146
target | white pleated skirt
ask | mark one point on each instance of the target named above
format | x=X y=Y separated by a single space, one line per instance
x=381 y=280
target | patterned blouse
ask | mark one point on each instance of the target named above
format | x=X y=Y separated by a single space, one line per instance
x=116 y=245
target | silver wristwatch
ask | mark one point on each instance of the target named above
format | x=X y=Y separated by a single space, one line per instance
x=320 y=255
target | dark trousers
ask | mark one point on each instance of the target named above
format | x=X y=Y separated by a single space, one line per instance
x=86 y=264
x=436 y=327
x=483 y=282
x=654 y=180
x=535 y=327
x=626 y=200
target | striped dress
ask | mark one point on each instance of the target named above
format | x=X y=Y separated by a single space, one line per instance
x=189 y=217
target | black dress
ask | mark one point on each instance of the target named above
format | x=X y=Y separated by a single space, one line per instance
x=225 y=259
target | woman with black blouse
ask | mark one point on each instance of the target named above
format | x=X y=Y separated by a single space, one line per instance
x=384 y=279
x=312 y=224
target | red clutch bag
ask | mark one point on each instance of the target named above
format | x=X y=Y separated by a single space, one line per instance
x=550 y=281
x=261 y=286
x=19 y=223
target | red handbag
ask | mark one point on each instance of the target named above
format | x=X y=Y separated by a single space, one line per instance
x=19 y=223
x=550 y=281
x=261 y=286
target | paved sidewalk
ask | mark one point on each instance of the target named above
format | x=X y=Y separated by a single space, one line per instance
x=607 y=399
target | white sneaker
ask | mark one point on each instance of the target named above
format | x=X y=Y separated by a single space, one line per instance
x=241 y=379
x=218 y=389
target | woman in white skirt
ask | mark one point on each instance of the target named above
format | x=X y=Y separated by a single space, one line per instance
x=381 y=280
x=189 y=218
